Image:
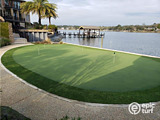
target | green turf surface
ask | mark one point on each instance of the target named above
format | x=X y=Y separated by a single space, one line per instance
x=87 y=74
x=90 y=68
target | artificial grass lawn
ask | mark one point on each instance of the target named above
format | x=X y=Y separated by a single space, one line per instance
x=87 y=74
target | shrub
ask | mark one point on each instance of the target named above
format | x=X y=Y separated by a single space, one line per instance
x=4 y=42
x=50 y=30
x=48 y=41
x=37 y=26
x=52 y=27
x=158 y=26
x=44 y=27
x=38 y=42
x=4 y=30
x=29 y=25
x=40 y=27
x=60 y=42
x=68 y=118
x=7 y=113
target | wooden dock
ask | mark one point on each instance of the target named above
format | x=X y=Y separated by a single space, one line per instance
x=88 y=32
x=82 y=35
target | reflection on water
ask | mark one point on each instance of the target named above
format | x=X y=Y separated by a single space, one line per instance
x=143 y=43
x=83 y=41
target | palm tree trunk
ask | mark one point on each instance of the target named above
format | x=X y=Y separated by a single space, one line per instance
x=39 y=18
x=49 y=20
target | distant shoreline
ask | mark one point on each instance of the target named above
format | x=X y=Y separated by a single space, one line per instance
x=135 y=31
x=124 y=31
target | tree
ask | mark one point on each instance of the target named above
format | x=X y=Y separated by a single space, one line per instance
x=118 y=27
x=49 y=13
x=158 y=26
x=36 y=6
x=52 y=27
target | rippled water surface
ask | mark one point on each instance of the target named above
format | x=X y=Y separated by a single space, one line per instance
x=143 y=43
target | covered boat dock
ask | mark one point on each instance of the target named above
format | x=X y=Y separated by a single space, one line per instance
x=87 y=31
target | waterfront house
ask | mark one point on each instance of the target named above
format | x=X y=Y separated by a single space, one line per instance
x=10 y=11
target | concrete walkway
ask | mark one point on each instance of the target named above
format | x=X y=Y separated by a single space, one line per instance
x=40 y=105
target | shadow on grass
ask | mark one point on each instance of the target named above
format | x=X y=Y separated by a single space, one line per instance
x=142 y=75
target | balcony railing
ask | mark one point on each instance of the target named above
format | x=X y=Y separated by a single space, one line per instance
x=15 y=7
x=7 y=6
x=15 y=18
x=22 y=19
x=1 y=13
x=8 y=17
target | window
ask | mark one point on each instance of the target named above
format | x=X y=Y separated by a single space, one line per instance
x=0 y=12
x=18 y=4
x=6 y=2
x=15 y=15
x=8 y=12
x=15 y=4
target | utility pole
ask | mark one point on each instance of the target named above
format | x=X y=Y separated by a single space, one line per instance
x=102 y=42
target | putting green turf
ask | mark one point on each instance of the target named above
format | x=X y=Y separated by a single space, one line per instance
x=96 y=71
x=90 y=68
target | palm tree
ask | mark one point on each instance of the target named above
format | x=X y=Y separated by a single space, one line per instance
x=36 y=6
x=49 y=13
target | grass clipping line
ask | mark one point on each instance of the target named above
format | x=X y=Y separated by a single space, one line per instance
x=151 y=95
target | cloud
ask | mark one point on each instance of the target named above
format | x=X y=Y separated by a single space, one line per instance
x=142 y=14
x=106 y=12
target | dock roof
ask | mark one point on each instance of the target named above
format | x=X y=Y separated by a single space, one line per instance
x=90 y=27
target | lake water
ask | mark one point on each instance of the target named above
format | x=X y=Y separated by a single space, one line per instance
x=143 y=43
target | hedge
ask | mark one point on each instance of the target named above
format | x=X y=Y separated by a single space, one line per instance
x=4 y=34
x=4 y=42
x=4 y=30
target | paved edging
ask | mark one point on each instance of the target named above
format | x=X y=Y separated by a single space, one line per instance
x=77 y=106
x=59 y=97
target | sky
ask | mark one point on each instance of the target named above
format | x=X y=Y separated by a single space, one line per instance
x=105 y=12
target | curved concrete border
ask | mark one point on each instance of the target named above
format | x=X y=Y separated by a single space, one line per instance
x=94 y=106
x=62 y=98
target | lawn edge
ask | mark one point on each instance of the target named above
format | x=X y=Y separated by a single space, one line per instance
x=143 y=55
x=61 y=97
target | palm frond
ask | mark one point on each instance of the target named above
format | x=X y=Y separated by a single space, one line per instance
x=43 y=8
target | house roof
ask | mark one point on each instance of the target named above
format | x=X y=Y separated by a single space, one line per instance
x=90 y=27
